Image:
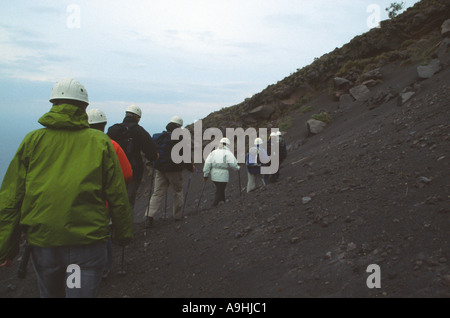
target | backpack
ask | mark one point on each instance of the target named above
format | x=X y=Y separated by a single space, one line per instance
x=163 y=143
x=253 y=168
x=122 y=134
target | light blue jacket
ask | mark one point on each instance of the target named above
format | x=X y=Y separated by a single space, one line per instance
x=218 y=163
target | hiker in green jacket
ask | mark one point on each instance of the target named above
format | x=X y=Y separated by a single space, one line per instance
x=54 y=193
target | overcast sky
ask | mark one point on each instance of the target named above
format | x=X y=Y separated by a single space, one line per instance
x=169 y=57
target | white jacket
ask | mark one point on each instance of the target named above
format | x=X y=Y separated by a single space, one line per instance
x=218 y=163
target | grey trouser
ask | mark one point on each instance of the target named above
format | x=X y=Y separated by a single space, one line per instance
x=162 y=182
x=252 y=181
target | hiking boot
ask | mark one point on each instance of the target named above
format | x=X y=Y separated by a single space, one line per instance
x=148 y=222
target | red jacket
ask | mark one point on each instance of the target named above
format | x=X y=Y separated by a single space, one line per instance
x=124 y=163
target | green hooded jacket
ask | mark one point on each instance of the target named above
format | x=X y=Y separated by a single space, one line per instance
x=57 y=184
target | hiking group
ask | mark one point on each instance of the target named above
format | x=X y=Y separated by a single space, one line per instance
x=70 y=189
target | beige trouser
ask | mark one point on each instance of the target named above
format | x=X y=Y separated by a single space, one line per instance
x=252 y=180
x=162 y=182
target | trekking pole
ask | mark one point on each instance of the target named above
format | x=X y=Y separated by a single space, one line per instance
x=122 y=272
x=201 y=194
x=185 y=197
x=22 y=272
x=239 y=175
x=165 y=204
x=149 y=198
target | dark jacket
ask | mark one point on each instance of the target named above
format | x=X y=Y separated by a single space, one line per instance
x=282 y=149
x=143 y=142
x=165 y=163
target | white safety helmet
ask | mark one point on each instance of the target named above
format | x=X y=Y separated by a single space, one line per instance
x=69 y=89
x=96 y=116
x=276 y=134
x=177 y=120
x=135 y=110
x=258 y=141
x=225 y=141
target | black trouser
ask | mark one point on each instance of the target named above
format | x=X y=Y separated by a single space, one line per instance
x=220 y=192
x=274 y=177
x=133 y=187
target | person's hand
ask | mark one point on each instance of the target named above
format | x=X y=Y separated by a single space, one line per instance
x=205 y=179
x=7 y=263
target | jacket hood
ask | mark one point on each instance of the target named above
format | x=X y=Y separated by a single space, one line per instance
x=65 y=116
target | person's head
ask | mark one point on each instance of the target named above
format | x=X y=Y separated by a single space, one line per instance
x=97 y=119
x=69 y=91
x=134 y=111
x=175 y=122
x=224 y=142
x=258 y=142
x=275 y=136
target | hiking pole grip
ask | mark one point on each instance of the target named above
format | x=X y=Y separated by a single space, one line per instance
x=187 y=191
x=201 y=195
x=147 y=211
x=22 y=272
